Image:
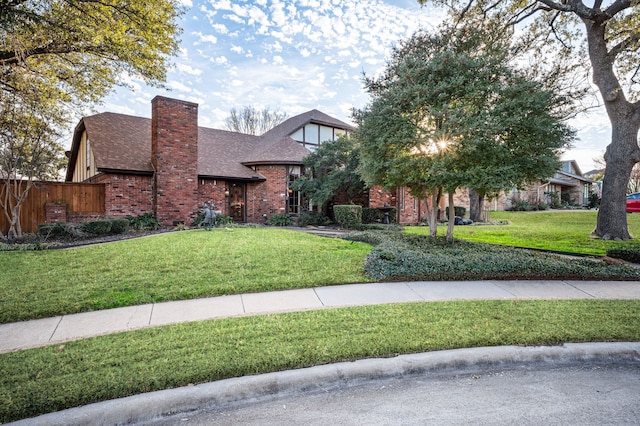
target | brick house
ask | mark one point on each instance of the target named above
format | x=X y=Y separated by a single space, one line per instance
x=568 y=184
x=169 y=166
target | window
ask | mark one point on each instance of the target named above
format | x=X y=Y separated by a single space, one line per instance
x=293 y=197
x=88 y=154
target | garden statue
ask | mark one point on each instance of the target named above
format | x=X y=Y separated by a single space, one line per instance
x=209 y=216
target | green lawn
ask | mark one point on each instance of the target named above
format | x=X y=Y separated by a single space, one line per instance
x=48 y=379
x=191 y=264
x=558 y=230
x=172 y=266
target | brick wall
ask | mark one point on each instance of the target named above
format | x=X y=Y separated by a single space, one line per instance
x=126 y=194
x=214 y=190
x=265 y=199
x=174 y=155
x=55 y=212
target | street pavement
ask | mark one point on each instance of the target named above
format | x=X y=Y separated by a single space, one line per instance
x=594 y=383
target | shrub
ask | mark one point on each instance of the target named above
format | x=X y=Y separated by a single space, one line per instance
x=348 y=216
x=402 y=257
x=280 y=219
x=373 y=215
x=52 y=229
x=313 y=219
x=627 y=254
x=119 y=226
x=223 y=219
x=97 y=227
x=144 y=221
x=457 y=210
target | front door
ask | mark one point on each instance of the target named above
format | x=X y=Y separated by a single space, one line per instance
x=236 y=201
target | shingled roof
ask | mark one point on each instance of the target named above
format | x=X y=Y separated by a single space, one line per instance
x=122 y=143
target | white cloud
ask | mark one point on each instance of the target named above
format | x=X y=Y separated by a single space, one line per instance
x=176 y=85
x=188 y=69
x=221 y=60
x=204 y=38
x=220 y=28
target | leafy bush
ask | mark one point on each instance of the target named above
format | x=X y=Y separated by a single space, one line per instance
x=627 y=254
x=119 y=226
x=594 y=200
x=223 y=219
x=280 y=219
x=313 y=219
x=97 y=227
x=457 y=210
x=144 y=221
x=348 y=216
x=373 y=215
x=52 y=230
x=410 y=257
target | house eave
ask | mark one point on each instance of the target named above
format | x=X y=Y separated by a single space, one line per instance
x=234 y=178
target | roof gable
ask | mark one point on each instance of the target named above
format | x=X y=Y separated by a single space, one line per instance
x=288 y=127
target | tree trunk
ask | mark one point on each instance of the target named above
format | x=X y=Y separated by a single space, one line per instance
x=433 y=214
x=476 y=202
x=620 y=158
x=623 y=152
x=452 y=218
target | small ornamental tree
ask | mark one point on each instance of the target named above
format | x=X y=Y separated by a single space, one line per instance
x=451 y=111
x=329 y=169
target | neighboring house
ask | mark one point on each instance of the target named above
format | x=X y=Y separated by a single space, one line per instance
x=169 y=166
x=568 y=184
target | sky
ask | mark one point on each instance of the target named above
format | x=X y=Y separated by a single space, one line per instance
x=294 y=56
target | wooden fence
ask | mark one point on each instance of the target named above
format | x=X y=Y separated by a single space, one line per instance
x=81 y=199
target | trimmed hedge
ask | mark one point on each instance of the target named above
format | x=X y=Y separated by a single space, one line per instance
x=348 y=216
x=119 y=226
x=97 y=227
x=627 y=254
x=409 y=257
x=75 y=230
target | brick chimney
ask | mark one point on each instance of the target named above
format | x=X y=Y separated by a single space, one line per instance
x=174 y=155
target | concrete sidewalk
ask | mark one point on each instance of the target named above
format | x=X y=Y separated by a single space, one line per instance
x=42 y=332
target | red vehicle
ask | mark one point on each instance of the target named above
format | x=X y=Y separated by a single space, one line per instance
x=633 y=203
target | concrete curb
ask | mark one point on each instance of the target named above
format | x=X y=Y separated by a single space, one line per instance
x=265 y=387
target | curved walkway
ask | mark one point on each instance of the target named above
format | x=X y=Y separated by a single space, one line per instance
x=48 y=331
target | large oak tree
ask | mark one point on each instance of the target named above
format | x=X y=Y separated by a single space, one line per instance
x=611 y=31
x=450 y=110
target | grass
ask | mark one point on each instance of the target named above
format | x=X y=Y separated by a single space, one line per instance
x=564 y=231
x=173 y=266
x=47 y=379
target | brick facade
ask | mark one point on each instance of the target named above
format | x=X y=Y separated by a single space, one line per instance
x=174 y=155
x=126 y=194
x=265 y=199
x=55 y=212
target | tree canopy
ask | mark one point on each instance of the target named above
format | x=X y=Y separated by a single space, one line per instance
x=59 y=54
x=607 y=32
x=329 y=169
x=450 y=111
x=84 y=47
